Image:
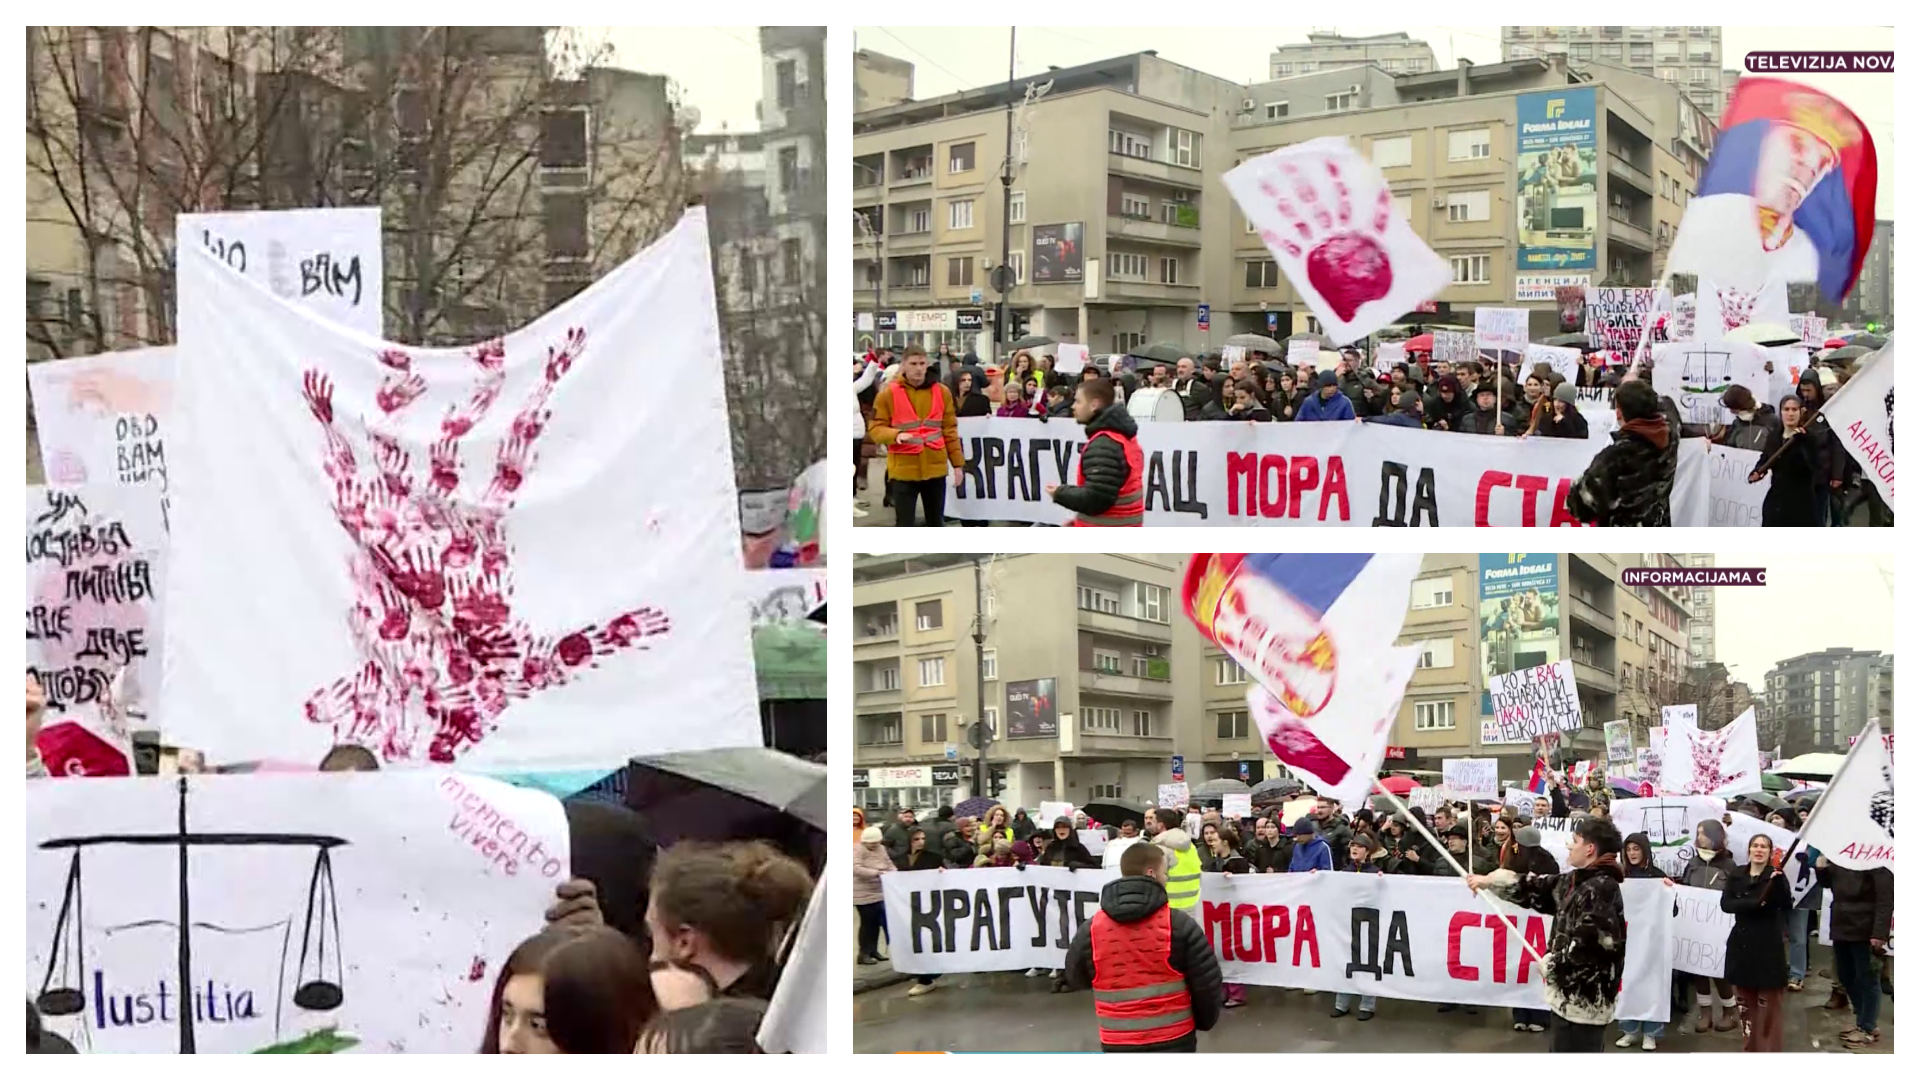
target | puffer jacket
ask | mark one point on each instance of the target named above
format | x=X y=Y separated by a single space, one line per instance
x=958 y=850
x=1630 y=482
x=1070 y=853
x=1271 y=858
x=1587 y=952
x=868 y=864
x=1862 y=903
x=1129 y=900
x=1103 y=465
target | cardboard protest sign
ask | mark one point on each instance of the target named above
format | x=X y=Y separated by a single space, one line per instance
x=1471 y=778
x=1453 y=346
x=1095 y=840
x=1071 y=359
x=1811 y=328
x=1616 y=318
x=1700 y=931
x=1734 y=501
x=486 y=488
x=1498 y=332
x=1388 y=354
x=1303 y=352
x=1519 y=799
x=1236 y=806
x=1619 y=735
x=1050 y=811
x=1426 y=798
x=375 y=906
x=1697 y=374
x=1535 y=701
x=1326 y=214
x=102 y=419
x=1173 y=797
x=1565 y=361
x=1295 y=809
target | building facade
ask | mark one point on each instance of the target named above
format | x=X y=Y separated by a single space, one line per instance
x=1871 y=300
x=1822 y=700
x=1689 y=57
x=880 y=80
x=1394 y=53
x=1700 y=641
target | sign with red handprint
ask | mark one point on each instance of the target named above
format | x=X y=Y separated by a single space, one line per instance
x=470 y=555
x=1327 y=215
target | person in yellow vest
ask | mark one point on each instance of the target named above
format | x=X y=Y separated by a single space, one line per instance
x=1183 y=858
x=914 y=418
x=1154 y=977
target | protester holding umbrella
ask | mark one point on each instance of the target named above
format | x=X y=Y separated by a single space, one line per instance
x=1758 y=899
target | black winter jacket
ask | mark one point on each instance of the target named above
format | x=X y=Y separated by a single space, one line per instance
x=1862 y=903
x=1129 y=900
x=1070 y=853
x=1756 y=946
x=1587 y=951
x=1271 y=858
x=1631 y=481
x=927 y=858
x=1103 y=465
x=1571 y=426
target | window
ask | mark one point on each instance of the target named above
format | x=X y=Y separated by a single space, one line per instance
x=1436 y=653
x=960 y=158
x=1704 y=75
x=887 y=679
x=1667 y=52
x=1144 y=665
x=1581 y=51
x=1150 y=602
x=1394 y=153
x=1186 y=148
x=1100 y=719
x=1226 y=672
x=1640 y=52
x=1277 y=110
x=1143 y=723
x=1341 y=102
x=991 y=716
x=1128 y=144
x=960 y=272
x=1106 y=661
x=1610 y=50
x=1306 y=67
x=1433 y=716
x=790 y=261
x=1018 y=260
x=1417 y=64
x=1169 y=270
x=1471 y=145
x=1126 y=265
x=926 y=615
x=933 y=728
x=1017 y=208
x=785 y=83
x=880 y=730
x=919 y=221
x=1433 y=593
x=1391 y=64
x=566 y=214
x=1096 y=792
x=1230 y=725
x=789 y=168
x=1403 y=205
x=1263 y=274
x=1092 y=599
x=933 y=672
x=1468 y=206
x=960 y=214
x=1135 y=206
x=1281 y=71
x=1126 y=341
x=989 y=664
x=1470 y=269
x=563 y=139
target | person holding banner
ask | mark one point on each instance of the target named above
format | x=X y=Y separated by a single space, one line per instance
x=1558 y=416
x=1153 y=973
x=914 y=418
x=1636 y=861
x=1111 y=490
x=1630 y=483
x=1758 y=899
x=1362 y=858
x=1790 y=455
x=1711 y=867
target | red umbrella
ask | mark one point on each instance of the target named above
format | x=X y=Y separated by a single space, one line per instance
x=1835 y=343
x=1420 y=343
x=1399 y=785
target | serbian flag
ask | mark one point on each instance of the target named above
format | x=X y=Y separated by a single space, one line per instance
x=1316 y=633
x=1537 y=779
x=1788 y=194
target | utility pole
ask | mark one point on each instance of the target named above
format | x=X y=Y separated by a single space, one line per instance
x=981 y=781
x=1003 y=278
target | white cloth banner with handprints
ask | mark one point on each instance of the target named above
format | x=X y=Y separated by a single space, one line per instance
x=1725 y=761
x=366 y=911
x=442 y=554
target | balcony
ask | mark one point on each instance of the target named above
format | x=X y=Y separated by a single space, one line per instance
x=913 y=177
x=905 y=243
x=1150 y=169
x=1122 y=626
x=1097 y=681
x=1158 y=232
x=1586 y=674
x=1621 y=169
x=1592 y=616
x=912 y=288
x=1151 y=291
x=1622 y=228
x=877 y=698
x=1108 y=744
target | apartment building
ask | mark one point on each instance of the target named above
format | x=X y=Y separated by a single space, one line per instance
x=1700 y=636
x=880 y=80
x=1394 y=53
x=1823 y=699
x=793 y=117
x=1688 y=57
x=1871 y=300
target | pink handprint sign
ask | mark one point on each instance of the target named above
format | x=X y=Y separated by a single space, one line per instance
x=442 y=652
x=1327 y=215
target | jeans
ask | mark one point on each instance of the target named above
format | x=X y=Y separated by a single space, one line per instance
x=931 y=494
x=1798 y=921
x=1853 y=966
x=873 y=923
x=1651 y=1029
x=1531 y=1016
x=1344 y=1002
x=1822 y=503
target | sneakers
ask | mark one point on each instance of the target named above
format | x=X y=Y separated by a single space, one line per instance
x=1519 y=1027
x=1337 y=1013
x=859 y=511
x=1858 y=1039
x=1364 y=1015
x=1796 y=985
x=1034 y=973
x=865 y=960
x=1647 y=1043
x=921 y=989
x=1232 y=1003
x=1536 y=1028
x=1309 y=993
x=1624 y=1041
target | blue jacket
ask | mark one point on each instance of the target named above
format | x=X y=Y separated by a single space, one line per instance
x=1311 y=855
x=1339 y=407
x=1396 y=419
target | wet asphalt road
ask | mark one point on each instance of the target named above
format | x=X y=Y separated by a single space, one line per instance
x=1006 y=1012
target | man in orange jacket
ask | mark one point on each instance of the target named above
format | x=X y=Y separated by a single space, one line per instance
x=1154 y=977
x=914 y=418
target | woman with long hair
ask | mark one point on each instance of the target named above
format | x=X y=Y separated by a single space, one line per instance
x=725 y=909
x=570 y=990
x=1758 y=899
x=1224 y=857
x=1791 y=456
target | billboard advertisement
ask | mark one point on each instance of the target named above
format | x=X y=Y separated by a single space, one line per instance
x=1059 y=253
x=1030 y=710
x=1557 y=161
x=1519 y=619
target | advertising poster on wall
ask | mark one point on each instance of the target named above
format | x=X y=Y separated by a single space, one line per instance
x=1557 y=162
x=1030 y=710
x=1059 y=252
x=1519 y=616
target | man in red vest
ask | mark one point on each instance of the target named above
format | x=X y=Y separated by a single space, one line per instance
x=1154 y=977
x=1112 y=470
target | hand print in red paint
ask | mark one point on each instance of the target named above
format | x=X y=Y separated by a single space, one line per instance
x=444 y=654
x=1346 y=261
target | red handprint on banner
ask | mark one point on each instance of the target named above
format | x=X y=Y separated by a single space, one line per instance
x=1346 y=261
x=1709 y=754
x=444 y=654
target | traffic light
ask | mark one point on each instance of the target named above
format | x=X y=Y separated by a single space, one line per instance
x=996 y=783
x=1016 y=325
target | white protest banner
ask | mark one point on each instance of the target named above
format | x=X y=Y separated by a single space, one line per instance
x=1295 y=809
x=1173 y=796
x=1070 y=359
x=1236 y=806
x=1700 y=931
x=327 y=260
x=1520 y=799
x=1050 y=811
x=1094 y=839
x=797 y=1019
x=1303 y=352
x=1619 y=736
x=1563 y=360
x=1414 y=938
x=1596 y=404
x=1719 y=310
x=1427 y=799
x=1327 y=216
x=1387 y=354
x=1667 y=820
x=96 y=565
x=1680 y=714
x=592 y=618
x=1301 y=474
x=1725 y=761
x=1655 y=763
x=1696 y=374
x=377 y=906
x=102 y=419
x=1500 y=330
x=1861 y=416
x=1471 y=778
x=1733 y=500
x=1742 y=827
x=1535 y=701
x=1453 y=346
x=1616 y=318
x=1811 y=328
x=786 y=594
x=1852 y=824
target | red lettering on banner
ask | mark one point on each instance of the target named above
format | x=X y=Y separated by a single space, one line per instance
x=1251 y=932
x=1455 y=969
x=1336 y=486
x=1241 y=470
x=1273 y=486
x=1304 y=936
x=1537 y=937
x=1499 y=927
x=1867 y=851
x=1529 y=487
x=1275 y=927
x=1246 y=932
x=1214 y=915
x=1872 y=454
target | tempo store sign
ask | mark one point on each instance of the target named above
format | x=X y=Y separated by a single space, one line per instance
x=906 y=776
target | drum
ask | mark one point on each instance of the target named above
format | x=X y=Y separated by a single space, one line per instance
x=1156 y=403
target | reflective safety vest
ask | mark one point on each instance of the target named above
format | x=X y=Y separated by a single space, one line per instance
x=1131 y=507
x=907 y=423
x=1183 y=877
x=1138 y=997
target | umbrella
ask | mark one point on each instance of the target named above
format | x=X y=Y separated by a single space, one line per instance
x=1420 y=343
x=1570 y=341
x=1112 y=813
x=790 y=660
x=1160 y=352
x=974 y=807
x=1766 y=799
x=741 y=793
x=1868 y=341
x=1275 y=789
x=1847 y=354
x=1213 y=789
x=1399 y=785
x=1764 y=334
x=1814 y=766
x=1629 y=788
x=1834 y=343
x=1031 y=341
x=1321 y=340
x=1804 y=790
x=1774 y=782
x=1256 y=342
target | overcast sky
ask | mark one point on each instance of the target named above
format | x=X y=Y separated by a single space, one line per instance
x=1810 y=602
x=947 y=59
x=716 y=67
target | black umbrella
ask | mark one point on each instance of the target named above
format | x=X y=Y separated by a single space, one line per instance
x=1868 y=341
x=1032 y=341
x=1214 y=789
x=1110 y=813
x=1275 y=789
x=1257 y=343
x=1159 y=352
x=1569 y=341
x=1766 y=799
x=731 y=794
x=1847 y=354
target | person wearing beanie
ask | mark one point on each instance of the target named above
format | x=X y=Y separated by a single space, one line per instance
x=1403 y=405
x=1446 y=404
x=870 y=860
x=1754 y=425
x=1327 y=403
x=1630 y=482
x=1711 y=867
x=1558 y=414
x=1310 y=852
x=1065 y=849
x=1486 y=418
